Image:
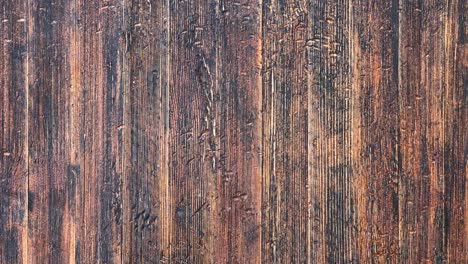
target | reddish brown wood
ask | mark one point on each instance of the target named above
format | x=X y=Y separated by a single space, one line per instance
x=270 y=131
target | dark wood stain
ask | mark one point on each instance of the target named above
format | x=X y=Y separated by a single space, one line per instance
x=214 y=131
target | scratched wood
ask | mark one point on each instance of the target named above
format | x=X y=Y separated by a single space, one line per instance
x=213 y=131
x=285 y=149
x=13 y=133
x=375 y=128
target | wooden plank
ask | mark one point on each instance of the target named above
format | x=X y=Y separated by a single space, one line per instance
x=13 y=132
x=285 y=198
x=455 y=112
x=432 y=96
x=429 y=130
x=48 y=93
x=332 y=196
x=375 y=128
x=101 y=61
x=147 y=70
x=73 y=223
x=192 y=130
x=239 y=58
x=412 y=244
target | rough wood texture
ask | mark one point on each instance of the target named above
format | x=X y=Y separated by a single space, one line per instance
x=213 y=131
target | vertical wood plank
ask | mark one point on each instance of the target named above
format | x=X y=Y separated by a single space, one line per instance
x=102 y=139
x=412 y=185
x=433 y=34
x=429 y=131
x=375 y=128
x=86 y=247
x=192 y=147
x=13 y=132
x=73 y=219
x=240 y=127
x=455 y=125
x=285 y=145
x=331 y=176
x=48 y=81
x=147 y=63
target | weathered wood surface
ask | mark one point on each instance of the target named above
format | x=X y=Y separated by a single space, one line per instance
x=212 y=131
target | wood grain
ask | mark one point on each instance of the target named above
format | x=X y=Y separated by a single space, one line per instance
x=285 y=108
x=13 y=133
x=376 y=159
x=214 y=131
